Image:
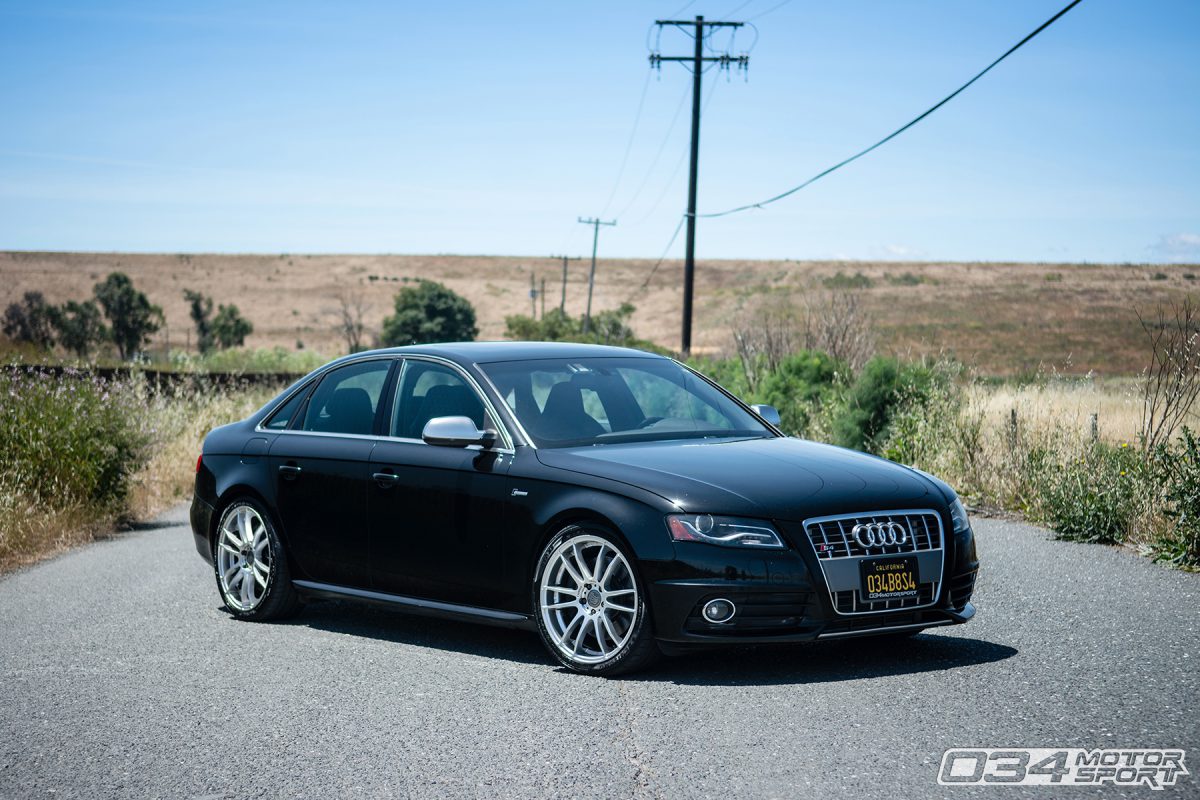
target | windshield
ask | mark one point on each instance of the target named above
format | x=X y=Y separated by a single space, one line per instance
x=583 y=401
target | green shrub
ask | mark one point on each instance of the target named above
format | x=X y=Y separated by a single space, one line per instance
x=607 y=327
x=1093 y=498
x=841 y=280
x=1178 y=469
x=71 y=440
x=883 y=388
x=798 y=387
x=728 y=372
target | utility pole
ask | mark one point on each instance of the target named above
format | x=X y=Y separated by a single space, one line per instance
x=562 y=304
x=697 y=59
x=595 y=222
x=532 y=295
x=542 y=295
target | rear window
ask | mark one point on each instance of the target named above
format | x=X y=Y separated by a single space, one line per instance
x=283 y=415
x=346 y=399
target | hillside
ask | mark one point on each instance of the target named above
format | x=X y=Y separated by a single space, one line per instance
x=1005 y=318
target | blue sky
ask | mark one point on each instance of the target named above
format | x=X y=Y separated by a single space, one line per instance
x=488 y=128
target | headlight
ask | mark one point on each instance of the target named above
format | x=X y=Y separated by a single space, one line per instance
x=958 y=516
x=725 y=531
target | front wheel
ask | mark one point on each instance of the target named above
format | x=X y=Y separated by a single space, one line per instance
x=591 y=612
x=251 y=570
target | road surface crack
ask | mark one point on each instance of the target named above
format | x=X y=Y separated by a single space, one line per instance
x=627 y=739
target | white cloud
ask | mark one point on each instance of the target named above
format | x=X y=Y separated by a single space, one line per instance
x=1178 y=246
x=900 y=251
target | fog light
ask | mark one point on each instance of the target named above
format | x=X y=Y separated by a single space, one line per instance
x=720 y=610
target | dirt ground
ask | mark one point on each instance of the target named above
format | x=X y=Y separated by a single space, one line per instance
x=1004 y=318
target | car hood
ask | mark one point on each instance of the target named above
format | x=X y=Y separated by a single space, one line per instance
x=781 y=478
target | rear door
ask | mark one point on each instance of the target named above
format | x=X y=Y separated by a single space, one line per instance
x=322 y=469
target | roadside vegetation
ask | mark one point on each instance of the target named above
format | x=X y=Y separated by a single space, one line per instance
x=1114 y=462
x=81 y=454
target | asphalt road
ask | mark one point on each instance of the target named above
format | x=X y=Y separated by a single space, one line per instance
x=122 y=677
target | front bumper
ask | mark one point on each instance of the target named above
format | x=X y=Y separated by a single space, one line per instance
x=782 y=596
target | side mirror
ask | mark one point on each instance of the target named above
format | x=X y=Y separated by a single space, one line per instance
x=456 y=432
x=769 y=413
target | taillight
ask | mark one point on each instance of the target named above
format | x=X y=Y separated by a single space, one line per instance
x=199 y=460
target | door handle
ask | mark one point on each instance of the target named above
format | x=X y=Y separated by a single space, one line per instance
x=386 y=480
x=289 y=471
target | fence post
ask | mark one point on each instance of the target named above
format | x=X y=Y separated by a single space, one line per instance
x=1095 y=428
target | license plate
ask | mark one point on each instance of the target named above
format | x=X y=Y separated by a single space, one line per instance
x=892 y=578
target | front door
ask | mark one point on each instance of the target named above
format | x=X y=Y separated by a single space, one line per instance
x=437 y=514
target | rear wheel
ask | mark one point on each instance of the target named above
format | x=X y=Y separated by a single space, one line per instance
x=591 y=611
x=251 y=570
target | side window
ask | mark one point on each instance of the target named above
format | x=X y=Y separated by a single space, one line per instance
x=283 y=415
x=346 y=399
x=428 y=390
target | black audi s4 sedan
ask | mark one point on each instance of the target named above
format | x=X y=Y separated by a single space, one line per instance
x=615 y=501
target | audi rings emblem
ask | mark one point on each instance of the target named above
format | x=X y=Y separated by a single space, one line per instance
x=879 y=534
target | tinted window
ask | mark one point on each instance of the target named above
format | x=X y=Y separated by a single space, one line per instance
x=429 y=390
x=346 y=399
x=569 y=402
x=280 y=419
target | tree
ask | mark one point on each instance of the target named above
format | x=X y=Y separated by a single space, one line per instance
x=30 y=320
x=130 y=313
x=79 y=326
x=200 y=309
x=352 y=307
x=230 y=328
x=427 y=313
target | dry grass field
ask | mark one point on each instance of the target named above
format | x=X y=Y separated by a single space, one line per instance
x=1005 y=319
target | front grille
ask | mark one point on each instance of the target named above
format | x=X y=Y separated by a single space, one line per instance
x=961 y=589
x=831 y=537
x=847 y=602
x=839 y=554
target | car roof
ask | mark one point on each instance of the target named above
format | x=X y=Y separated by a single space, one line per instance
x=486 y=352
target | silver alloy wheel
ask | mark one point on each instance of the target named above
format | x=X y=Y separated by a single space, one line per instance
x=244 y=558
x=589 y=599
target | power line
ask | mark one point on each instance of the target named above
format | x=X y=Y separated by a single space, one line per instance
x=769 y=10
x=670 y=182
x=637 y=118
x=658 y=155
x=900 y=130
x=661 y=258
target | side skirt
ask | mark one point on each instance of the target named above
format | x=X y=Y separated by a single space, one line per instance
x=415 y=605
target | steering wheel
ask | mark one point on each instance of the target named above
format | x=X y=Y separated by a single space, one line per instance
x=648 y=421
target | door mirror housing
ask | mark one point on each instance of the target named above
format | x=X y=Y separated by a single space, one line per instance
x=769 y=413
x=456 y=432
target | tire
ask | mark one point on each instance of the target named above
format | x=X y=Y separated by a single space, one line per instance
x=247 y=594
x=593 y=624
